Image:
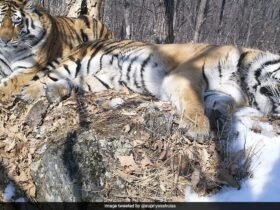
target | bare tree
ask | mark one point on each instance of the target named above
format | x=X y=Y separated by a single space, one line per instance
x=249 y=27
x=76 y=8
x=126 y=19
x=73 y=8
x=250 y=23
x=163 y=21
x=94 y=8
x=169 y=16
x=58 y=7
x=199 y=19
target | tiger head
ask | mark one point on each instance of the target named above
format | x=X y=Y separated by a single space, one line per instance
x=20 y=23
x=263 y=83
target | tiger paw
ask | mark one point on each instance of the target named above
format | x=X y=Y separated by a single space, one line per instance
x=7 y=95
x=54 y=92
x=6 y=99
x=33 y=91
x=197 y=128
x=58 y=91
x=220 y=122
x=219 y=108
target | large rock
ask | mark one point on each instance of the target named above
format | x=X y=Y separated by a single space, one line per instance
x=71 y=170
x=110 y=146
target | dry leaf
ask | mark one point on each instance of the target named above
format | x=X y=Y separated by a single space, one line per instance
x=133 y=95
x=20 y=136
x=12 y=168
x=128 y=178
x=32 y=190
x=137 y=143
x=23 y=177
x=13 y=129
x=19 y=147
x=158 y=145
x=2 y=145
x=7 y=155
x=69 y=103
x=29 y=159
x=177 y=199
x=204 y=154
x=128 y=162
x=162 y=186
x=146 y=162
x=145 y=136
x=126 y=128
x=126 y=113
x=11 y=146
x=163 y=155
x=163 y=106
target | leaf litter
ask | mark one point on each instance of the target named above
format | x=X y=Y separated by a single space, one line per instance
x=161 y=162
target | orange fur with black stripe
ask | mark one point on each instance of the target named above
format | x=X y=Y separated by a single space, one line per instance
x=204 y=82
x=30 y=38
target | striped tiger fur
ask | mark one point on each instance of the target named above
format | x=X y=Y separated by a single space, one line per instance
x=204 y=82
x=30 y=38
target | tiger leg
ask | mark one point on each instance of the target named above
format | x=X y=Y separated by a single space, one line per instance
x=58 y=84
x=184 y=89
x=53 y=86
x=12 y=85
x=61 y=89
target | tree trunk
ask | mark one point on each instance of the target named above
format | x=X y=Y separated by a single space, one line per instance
x=169 y=17
x=249 y=28
x=216 y=22
x=199 y=20
x=126 y=19
x=75 y=8
x=94 y=8
x=85 y=7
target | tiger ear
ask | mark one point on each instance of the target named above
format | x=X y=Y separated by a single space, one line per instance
x=30 y=5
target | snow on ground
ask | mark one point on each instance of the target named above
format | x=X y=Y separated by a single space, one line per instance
x=116 y=102
x=20 y=200
x=9 y=192
x=264 y=185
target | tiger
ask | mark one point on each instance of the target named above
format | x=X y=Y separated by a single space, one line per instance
x=30 y=38
x=205 y=83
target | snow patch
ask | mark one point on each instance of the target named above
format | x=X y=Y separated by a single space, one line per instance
x=264 y=185
x=9 y=192
x=116 y=102
x=20 y=200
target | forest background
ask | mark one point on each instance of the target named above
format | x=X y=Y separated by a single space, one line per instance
x=249 y=23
